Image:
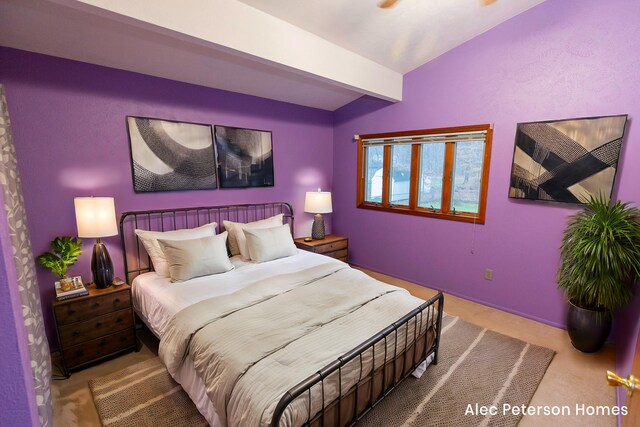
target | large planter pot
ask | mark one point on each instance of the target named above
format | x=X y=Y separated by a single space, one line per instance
x=588 y=329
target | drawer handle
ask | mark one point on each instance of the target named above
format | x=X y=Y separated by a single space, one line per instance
x=119 y=320
x=71 y=312
x=98 y=324
x=76 y=333
x=117 y=301
x=96 y=304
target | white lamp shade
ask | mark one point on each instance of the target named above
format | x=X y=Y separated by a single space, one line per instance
x=318 y=202
x=95 y=217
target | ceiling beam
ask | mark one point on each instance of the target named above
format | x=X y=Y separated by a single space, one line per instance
x=234 y=27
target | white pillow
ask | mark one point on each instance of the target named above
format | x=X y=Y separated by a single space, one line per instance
x=237 y=241
x=266 y=244
x=197 y=257
x=150 y=242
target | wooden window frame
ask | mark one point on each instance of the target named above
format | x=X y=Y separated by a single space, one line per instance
x=447 y=180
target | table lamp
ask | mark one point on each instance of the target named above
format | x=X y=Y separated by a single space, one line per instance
x=96 y=218
x=318 y=202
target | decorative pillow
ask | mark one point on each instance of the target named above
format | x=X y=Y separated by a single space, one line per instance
x=266 y=244
x=150 y=242
x=198 y=257
x=237 y=242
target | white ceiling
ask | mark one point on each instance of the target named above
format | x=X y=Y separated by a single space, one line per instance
x=322 y=54
x=403 y=37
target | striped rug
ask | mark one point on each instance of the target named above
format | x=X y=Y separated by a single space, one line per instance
x=475 y=366
x=143 y=395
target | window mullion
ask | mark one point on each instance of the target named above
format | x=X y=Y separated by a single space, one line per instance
x=414 y=176
x=386 y=179
x=447 y=177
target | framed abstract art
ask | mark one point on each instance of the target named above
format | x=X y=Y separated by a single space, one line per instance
x=169 y=156
x=245 y=157
x=566 y=160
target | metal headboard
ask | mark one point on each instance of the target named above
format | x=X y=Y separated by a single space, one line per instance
x=136 y=260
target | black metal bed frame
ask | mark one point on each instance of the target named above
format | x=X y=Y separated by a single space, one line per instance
x=366 y=382
x=333 y=412
x=174 y=219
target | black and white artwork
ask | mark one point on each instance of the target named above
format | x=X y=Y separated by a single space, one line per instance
x=566 y=160
x=169 y=156
x=245 y=157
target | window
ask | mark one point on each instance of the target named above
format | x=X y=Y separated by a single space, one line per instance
x=440 y=173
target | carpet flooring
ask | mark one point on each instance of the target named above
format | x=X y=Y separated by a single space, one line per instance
x=477 y=368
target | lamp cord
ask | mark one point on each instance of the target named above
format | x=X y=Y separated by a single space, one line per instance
x=473 y=237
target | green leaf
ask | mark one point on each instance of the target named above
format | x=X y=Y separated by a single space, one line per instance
x=600 y=254
x=65 y=253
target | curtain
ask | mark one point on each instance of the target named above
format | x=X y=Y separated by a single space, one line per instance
x=25 y=267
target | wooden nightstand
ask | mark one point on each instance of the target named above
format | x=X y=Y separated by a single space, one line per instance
x=94 y=326
x=332 y=245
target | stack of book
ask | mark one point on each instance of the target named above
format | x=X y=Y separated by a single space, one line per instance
x=78 y=290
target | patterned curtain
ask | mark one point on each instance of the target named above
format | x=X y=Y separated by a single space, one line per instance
x=25 y=267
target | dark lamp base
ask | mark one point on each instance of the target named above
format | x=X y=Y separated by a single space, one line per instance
x=101 y=266
x=317 y=229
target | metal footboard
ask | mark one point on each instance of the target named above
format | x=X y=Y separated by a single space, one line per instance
x=375 y=382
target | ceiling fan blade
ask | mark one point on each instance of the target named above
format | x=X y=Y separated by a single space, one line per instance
x=386 y=4
x=487 y=2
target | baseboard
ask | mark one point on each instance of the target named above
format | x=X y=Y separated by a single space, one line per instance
x=469 y=298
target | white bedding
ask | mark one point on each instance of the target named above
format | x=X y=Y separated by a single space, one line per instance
x=157 y=300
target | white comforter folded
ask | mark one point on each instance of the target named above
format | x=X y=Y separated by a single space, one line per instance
x=251 y=346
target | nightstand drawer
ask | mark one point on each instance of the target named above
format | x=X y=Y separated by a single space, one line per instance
x=94 y=349
x=342 y=253
x=330 y=247
x=79 y=332
x=89 y=308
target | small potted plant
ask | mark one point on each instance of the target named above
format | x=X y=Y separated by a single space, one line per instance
x=66 y=251
x=600 y=262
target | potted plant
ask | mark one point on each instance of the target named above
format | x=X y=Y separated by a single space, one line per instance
x=600 y=262
x=66 y=251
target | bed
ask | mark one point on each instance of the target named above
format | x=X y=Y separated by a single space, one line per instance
x=299 y=340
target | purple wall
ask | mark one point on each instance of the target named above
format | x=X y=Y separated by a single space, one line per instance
x=17 y=400
x=562 y=59
x=70 y=135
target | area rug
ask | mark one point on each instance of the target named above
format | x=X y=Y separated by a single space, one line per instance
x=477 y=368
x=143 y=395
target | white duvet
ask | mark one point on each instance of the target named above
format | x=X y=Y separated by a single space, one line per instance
x=229 y=330
x=156 y=300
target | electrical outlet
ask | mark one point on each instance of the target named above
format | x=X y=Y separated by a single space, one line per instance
x=488 y=274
